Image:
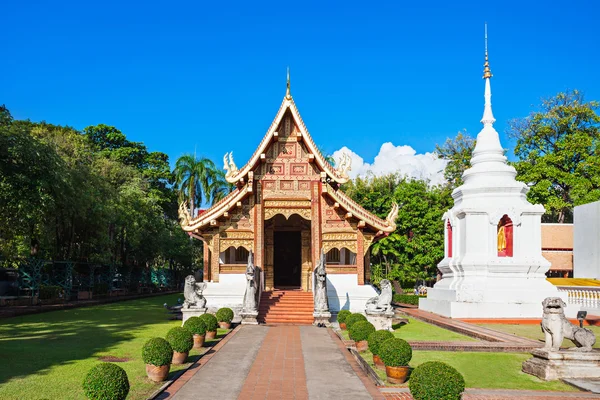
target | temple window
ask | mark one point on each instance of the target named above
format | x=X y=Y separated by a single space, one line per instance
x=332 y=256
x=449 y=238
x=241 y=254
x=234 y=255
x=505 y=237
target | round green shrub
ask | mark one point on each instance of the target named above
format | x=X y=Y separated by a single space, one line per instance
x=180 y=339
x=157 y=351
x=224 y=315
x=106 y=381
x=375 y=340
x=195 y=325
x=354 y=317
x=436 y=380
x=395 y=352
x=360 y=330
x=210 y=321
x=342 y=315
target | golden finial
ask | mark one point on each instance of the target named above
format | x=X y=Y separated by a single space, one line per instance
x=288 y=95
x=487 y=72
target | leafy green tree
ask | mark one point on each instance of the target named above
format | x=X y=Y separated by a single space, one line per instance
x=559 y=153
x=458 y=153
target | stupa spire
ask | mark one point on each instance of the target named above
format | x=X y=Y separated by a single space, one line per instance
x=488 y=115
x=288 y=94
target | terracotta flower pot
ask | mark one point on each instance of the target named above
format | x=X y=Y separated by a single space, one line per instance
x=397 y=374
x=198 y=341
x=224 y=325
x=378 y=363
x=362 y=345
x=211 y=334
x=157 y=374
x=343 y=326
x=179 y=358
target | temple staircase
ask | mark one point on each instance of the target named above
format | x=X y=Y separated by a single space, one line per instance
x=293 y=307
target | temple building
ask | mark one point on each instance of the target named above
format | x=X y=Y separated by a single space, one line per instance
x=493 y=265
x=286 y=207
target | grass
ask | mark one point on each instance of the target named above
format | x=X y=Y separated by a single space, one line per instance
x=417 y=330
x=483 y=370
x=46 y=356
x=534 y=331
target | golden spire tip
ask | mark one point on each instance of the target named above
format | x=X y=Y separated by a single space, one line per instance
x=288 y=95
x=487 y=72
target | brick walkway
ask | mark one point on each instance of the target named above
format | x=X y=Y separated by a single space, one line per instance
x=278 y=370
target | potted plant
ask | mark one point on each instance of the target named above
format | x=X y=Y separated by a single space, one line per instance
x=436 y=380
x=395 y=354
x=341 y=318
x=354 y=317
x=375 y=340
x=224 y=317
x=182 y=341
x=359 y=332
x=106 y=381
x=211 y=325
x=157 y=354
x=197 y=328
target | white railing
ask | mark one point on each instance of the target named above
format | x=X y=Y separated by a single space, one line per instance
x=584 y=297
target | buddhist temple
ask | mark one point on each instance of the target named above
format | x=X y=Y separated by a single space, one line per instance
x=286 y=207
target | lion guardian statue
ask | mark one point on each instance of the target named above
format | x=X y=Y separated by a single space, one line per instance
x=192 y=292
x=557 y=327
x=381 y=303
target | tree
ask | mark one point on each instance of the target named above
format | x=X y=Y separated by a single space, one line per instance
x=458 y=153
x=559 y=153
x=193 y=177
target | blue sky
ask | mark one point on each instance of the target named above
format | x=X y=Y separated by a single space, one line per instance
x=181 y=76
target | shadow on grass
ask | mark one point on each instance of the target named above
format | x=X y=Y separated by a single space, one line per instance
x=32 y=344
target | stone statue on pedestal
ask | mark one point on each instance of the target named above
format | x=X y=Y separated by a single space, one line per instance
x=321 y=303
x=249 y=312
x=192 y=292
x=321 y=314
x=250 y=301
x=557 y=327
x=381 y=303
x=379 y=309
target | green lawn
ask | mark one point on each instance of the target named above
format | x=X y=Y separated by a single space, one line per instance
x=483 y=370
x=417 y=330
x=46 y=356
x=534 y=331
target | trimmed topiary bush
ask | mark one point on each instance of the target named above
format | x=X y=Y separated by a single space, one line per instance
x=158 y=352
x=360 y=330
x=106 y=381
x=195 y=325
x=436 y=380
x=180 y=339
x=343 y=315
x=407 y=299
x=210 y=321
x=375 y=340
x=354 y=317
x=395 y=352
x=224 y=315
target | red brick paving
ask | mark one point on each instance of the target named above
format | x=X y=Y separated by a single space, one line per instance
x=278 y=370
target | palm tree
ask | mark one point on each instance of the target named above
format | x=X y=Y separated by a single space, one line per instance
x=219 y=187
x=193 y=177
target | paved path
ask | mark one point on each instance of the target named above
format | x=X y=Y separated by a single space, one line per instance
x=277 y=362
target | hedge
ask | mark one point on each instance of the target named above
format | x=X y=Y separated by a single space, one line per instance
x=195 y=325
x=180 y=339
x=354 y=317
x=224 y=315
x=375 y=340
x=158 y=352
x=395 y=352
x=210 y=321
x=343 y=315
x=407 y=299
x=106 y=381
x=436 y=380
x=360 y=330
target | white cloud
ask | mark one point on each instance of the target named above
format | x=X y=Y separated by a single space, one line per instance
x=401 y=159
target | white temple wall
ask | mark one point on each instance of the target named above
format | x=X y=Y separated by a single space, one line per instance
x=586 y=241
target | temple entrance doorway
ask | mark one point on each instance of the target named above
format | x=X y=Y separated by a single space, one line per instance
x=287 y=259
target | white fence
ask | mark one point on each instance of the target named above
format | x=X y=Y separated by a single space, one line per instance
x=583 y=298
